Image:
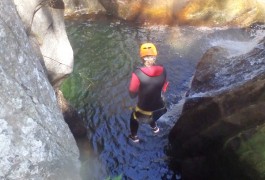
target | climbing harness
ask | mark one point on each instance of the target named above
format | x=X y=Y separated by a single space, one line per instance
x=148 y=116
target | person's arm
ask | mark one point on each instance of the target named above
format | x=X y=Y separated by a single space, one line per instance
x=164 y=89
x=134 y=86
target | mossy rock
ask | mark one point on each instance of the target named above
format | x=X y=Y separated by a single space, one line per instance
x=248 y=152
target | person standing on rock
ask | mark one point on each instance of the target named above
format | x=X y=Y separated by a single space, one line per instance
x=147 y=82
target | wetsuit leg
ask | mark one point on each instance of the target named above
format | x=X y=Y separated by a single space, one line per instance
x=153 y=124
x=156 y=115
x=133 y=125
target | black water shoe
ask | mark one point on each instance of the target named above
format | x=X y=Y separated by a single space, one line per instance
x=134 y=139
x=155 y=129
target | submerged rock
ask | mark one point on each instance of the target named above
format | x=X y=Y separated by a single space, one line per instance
x=221 y=126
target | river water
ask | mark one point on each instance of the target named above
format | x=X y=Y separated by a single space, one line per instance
x=106 y=53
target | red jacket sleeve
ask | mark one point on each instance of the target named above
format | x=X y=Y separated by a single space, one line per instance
x=134 y=85
x=165 y=86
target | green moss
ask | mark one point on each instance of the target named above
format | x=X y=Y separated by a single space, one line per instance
x=115 y=178
x=252 y=152
x=243 y=156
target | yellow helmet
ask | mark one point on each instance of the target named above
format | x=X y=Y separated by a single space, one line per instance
x=148 y=49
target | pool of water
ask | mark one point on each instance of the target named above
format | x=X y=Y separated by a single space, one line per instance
x=106 y=53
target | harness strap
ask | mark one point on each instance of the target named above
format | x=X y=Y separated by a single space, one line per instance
x=137 y=109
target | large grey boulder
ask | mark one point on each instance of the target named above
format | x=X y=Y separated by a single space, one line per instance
x=220 y=133
x=44 y=21
x=35 y=142
x=44 y=24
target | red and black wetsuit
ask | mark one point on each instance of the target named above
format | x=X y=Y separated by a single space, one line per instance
x=147 y=83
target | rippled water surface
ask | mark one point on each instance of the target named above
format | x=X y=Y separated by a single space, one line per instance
x=106 y=53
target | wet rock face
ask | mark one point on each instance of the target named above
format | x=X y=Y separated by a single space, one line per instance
x=192 y=12
x=44 y=21
x=223 y=121
x=218 y=70
x=36 y=143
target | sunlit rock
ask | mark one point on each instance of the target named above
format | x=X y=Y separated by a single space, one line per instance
x=80 y=7
x=125 y=9
x=192 y=12
x=44 y=21
x=221 y=13
x=150 y=11
x=223 y=117
x=35 y=142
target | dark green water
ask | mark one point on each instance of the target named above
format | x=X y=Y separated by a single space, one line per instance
x=106 y=53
